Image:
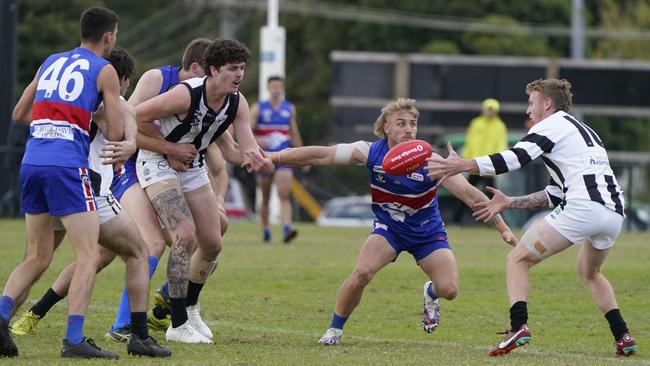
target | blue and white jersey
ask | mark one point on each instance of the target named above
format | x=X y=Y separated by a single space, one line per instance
x=66 y=96
x=406 y=204
x=274 y=125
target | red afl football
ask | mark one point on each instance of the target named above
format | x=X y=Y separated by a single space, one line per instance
x=406 y=157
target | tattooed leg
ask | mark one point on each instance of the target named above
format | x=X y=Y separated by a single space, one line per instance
x=169 y=203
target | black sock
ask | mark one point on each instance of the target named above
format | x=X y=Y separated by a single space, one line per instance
x=616 y=323
x=193 y=291
x=179 y=314
x=518 y=315
x=160 y=312
x=46 y=302
x=139 y=324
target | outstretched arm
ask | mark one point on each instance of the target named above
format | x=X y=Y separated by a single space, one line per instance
x=471 y=196
x=487 y=210
x=341 y=154
x=441 y=169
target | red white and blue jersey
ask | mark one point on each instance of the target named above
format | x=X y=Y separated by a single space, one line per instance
x=407 y=204
x=66 y=97
x=274 y=125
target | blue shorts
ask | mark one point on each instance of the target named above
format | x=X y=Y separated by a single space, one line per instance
x=56 y=190
x=123 y=180
x=416 y=246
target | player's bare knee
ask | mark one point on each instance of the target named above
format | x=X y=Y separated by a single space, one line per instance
x=211 y=252
x=361 y=276
x=447 y=290
x=224 y=224
x=40 y=259
x=38 y=263
x=185 y=235
x=585 y=272
x=105 y=258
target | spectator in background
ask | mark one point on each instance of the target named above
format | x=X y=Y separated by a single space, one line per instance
x=275 y=126
x=486 y=135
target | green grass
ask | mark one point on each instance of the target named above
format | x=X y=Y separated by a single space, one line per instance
x=269 y=304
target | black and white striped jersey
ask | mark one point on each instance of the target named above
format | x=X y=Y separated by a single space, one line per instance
x=201 y=126
x=574 y=155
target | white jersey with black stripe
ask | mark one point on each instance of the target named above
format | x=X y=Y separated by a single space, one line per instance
x=201 y=126
x=95 y=162
x=574 y=155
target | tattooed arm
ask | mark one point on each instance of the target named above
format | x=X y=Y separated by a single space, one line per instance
x=533 y=200
x=500 y=202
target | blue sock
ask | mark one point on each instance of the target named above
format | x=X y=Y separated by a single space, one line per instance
x=6 y=306
x=153 y=264
x=266 y=234
x=123 y=317
x=286 y=228
x=75 y=332
x=430 y=292
x=338 y=321
x=165 y=288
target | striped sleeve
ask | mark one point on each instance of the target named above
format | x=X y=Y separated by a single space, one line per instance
x=524 y=151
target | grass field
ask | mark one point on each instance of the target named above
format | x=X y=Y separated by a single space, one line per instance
x=269 y=304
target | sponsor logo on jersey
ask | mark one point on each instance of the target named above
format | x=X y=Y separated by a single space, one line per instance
x=53 y=132
x=416 y=176
x=377 y=169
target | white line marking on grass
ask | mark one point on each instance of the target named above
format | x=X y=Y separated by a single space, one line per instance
x=315 y=336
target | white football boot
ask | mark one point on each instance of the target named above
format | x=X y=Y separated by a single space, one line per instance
x=185 y=334
x=331 y=337
x=194 y=318
x=431 y=313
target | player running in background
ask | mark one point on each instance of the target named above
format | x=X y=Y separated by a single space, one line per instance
x=587 y=198
x=54 y=173
x=193 y=115
x=117 y=232
x=275 y=127
x=407 y=215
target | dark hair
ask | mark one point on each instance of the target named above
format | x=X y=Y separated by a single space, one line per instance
x=194 y=52
x=122 y=62
x=274 y=78
x=225 y=51
x=97 y=21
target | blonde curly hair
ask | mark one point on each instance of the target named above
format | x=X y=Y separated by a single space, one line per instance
x=558 y=90
x=399 y=105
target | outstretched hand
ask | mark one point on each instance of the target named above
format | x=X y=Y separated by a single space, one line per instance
x=509 y=237
x=439 y=168
x=256 y=161
x=486 y=210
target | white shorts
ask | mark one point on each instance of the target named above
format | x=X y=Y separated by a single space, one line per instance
x=156 y=170
x=107 y=208
x=582 y=221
